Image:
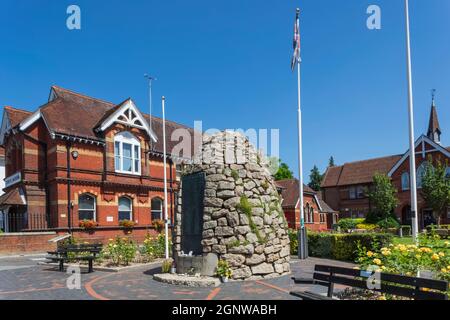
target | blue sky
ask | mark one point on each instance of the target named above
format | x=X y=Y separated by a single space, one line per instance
x=226 y=62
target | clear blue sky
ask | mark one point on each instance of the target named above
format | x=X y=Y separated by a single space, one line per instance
x=226 y=62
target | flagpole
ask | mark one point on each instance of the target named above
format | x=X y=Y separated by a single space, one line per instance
x=166 y=217
x=412 y=151
x=303 y=249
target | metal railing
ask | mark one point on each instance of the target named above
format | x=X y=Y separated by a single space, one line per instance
x=24 y=221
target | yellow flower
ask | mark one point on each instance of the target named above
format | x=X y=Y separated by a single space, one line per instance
x=383 y=267
x=386 y=252
x=418 y=256
x=383 y=297
x=443 y=270
x=435 y=257
x=377 y=261
x=369 y=254
x=441 y=254
x=408 y=273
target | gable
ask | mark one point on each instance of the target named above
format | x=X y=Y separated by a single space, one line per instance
x=423 y=146
x=129 y=115
x=6 y=126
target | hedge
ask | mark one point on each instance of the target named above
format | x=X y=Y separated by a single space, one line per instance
x=340 y=246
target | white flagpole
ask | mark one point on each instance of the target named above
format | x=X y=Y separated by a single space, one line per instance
x=302 y=252
x=412 y=151
x=166 y=217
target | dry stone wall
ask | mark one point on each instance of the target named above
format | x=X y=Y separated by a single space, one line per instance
x=243 y=221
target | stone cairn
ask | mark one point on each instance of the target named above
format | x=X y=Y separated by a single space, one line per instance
x=243 y=222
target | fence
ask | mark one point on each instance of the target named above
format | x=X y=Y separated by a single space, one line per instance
x=24 y=221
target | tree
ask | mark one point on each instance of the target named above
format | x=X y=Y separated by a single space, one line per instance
x=331 y=162
x=436 y=188
x=383 y=198
x=283 y=172
x=315 y=179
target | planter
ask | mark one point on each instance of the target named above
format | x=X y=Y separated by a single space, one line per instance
x=173 y=270
x=224 y=279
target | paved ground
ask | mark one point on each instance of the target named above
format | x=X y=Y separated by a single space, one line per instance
x=22 y=278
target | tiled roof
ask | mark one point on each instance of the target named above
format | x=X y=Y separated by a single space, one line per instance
x=289 y=191
x=358 y=172
x=12 y=197
x=16 y=115
x=74 y=114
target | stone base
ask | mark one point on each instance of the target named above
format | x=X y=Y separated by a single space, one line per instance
x=185 y=280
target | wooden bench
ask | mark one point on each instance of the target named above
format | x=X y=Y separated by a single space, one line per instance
x=63 y=254
x=398 y=285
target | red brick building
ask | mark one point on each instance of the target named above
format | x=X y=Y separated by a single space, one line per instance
x=344 y=186
x=78 y=157
x=318 y=215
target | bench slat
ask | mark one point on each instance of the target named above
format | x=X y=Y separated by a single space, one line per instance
x=309 y=295
x=395 y=278
x=384 y=288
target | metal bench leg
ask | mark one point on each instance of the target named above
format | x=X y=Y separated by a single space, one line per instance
x=61 y=265
x=91 y=268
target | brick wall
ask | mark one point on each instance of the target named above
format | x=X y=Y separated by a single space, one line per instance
x=15 y=243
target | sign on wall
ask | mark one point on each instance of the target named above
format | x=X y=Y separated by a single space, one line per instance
x=13 y=179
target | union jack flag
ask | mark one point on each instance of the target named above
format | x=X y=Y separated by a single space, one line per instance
x=296 y=56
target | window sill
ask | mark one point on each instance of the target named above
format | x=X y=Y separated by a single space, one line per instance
x=128 y=173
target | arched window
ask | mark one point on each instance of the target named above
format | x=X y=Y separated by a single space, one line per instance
x=420 y=173
x=127 y=153
x=125 y=209
x=405 y=181
x=86 y=207
x=157 y=209
x=306 y=213
x=311 y=215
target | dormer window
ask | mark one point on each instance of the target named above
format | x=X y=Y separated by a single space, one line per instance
x=127 y=153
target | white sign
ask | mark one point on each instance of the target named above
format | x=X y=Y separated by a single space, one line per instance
x=109 y=219
x=13 y=179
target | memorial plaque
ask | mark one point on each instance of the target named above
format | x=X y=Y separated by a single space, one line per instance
x=192 y=213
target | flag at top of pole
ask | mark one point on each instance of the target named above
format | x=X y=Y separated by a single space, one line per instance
x=296 y=44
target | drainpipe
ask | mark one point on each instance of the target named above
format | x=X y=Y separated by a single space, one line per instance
x=69 y=215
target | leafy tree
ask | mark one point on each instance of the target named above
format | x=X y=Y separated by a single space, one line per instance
x=331 y=162
x=436 y=188
x=315 y=179
x=283 y=172
x=383 y=198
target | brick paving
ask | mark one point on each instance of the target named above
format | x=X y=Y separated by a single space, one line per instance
x=22 y=278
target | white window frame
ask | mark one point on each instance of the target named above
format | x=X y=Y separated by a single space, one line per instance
x=161 y=217
x=131 y=208
x=311 y=214
x=95 y=205
x=405 y=184
x=122 y=138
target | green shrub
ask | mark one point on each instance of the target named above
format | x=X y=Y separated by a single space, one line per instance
x=120 y=251
x=348 y=224
x=340 y=246
x=166 y=265
x=155 y=246
x=388 y=223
